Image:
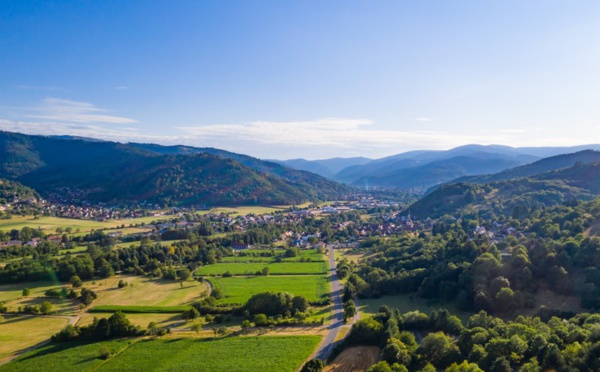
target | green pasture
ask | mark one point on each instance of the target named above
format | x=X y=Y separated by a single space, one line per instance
x=239 y=289
x=275 y=268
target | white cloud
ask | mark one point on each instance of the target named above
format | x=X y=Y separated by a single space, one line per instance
x=57 y=109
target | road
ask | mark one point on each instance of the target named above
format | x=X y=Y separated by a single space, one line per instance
x=338 y=311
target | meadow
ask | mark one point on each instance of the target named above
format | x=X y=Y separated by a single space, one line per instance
x=264 y=353
x=275 y=268
x=50 y=224
x=138 y=319
x=405 y=303
x=240 y=289
x=21 y=332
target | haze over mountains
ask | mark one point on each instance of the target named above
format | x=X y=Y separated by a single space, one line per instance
x=423 y=169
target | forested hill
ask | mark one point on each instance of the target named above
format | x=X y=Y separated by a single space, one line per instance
x=581 y=181
x=11 y=190
x=544 y=165
x=116 y=173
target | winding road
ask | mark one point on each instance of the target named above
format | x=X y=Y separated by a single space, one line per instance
x=338 y=310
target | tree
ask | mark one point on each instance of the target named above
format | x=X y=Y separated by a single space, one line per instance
x=313 y=365
x=380 y=367
x=75 y=281
x=46 y=307
x=184 y=274
x=349 y=309
x=265 y=271
x=152 y=328
x=245 y=325
x=439 y=349
x=26 y=292
x=196 y=327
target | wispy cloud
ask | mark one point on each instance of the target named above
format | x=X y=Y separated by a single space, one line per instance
x=63 y=110
x=41 y=88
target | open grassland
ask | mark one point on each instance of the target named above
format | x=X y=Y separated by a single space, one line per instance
x=253 y=255
x=143 y=291
x=11 y=295
x=406 y=303
x=50 y=224
x=265 y=353
x=240 y=289
x=275 y=268
x=226 y=354
x=65 y=357
x=21 y=332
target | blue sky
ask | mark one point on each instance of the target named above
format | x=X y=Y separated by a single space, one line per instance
x=312 y=79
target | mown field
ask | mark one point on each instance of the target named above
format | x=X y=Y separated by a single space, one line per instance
x=264 y=353
x=141 y=291
x=240 y=289
x=275 y=268
x=21 y=332
x=50 y=224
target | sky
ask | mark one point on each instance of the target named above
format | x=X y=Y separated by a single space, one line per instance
x=304 y=79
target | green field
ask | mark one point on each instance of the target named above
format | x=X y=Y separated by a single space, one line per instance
x=304 y=254
x=240 y=289
x=140 y=309
x=276 y=268
x=406 y=303
x=65 y=357
x=274 y=353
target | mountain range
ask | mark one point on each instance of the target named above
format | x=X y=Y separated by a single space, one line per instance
x=547 y=182
x=102 y=171
x=423 y=169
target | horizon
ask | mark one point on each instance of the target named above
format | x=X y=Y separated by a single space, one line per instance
x=305 y=80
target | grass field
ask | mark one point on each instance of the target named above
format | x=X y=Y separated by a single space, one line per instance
x=265 y=353
x=142 y=320
x=406 y=303
x=50 y=224
x=65 y=357
x=311 y=254
x=276 y=268
x=21 y=332
x=146 y=292
x=140 y=309
x=240 y=289
x=11 y=294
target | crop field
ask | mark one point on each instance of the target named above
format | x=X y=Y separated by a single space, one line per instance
x=311 y=254
x=240 y=289
x=143 y=291
x=65 y=357
x=50 y=224
x=265 y=353
x=21 y=332
x=278 y=353
x=275 y=268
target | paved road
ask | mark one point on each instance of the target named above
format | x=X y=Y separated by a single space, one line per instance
x=338 y=311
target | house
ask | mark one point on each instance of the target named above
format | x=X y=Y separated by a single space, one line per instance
x=34 y=242
x=13 y=243
x=56 y=239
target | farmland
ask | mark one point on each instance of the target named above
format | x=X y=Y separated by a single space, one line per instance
x=240 y=289
x=21 y=332
x=275 y=353
x=275 y=268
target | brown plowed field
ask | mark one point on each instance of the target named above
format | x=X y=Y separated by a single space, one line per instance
x=354 y=359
